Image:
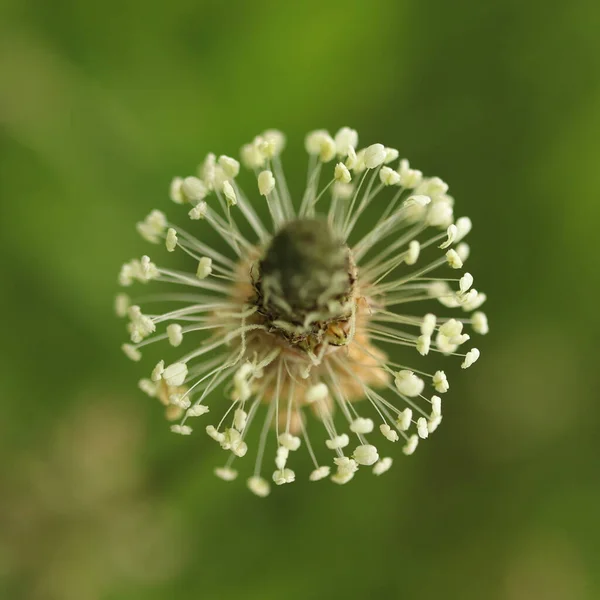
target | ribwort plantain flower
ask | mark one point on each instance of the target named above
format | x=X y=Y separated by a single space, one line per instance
x=293 y=321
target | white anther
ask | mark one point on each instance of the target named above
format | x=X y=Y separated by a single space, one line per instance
x=226 y=473
x=423 y=344
x=229 y=193
x=338 y=442
x=316 y=393
x=282 y=476
x=389 y=433
x=342 y=174
x=374 y=156
x=412 y=254
x=479 y=323
x=240 y=418
x=320 y=473
x=131 y=352
x=404 y=419
x=365 y=455
x=158 y=371
x=181 y=429
x=230 y=166
x=289 y=441
x=411 y=445
x=171 y=241
x=122 y=303
x=361 y=425
x=454 y=259
x=193 y=189
x=266 y=183
x=428 y=324
x=451 y=236
x=465 y=282
x=408 y=383
x=345 y=139
x=440 y=382
x=382 y=466
x=471 y=357
x=175 y=374
x=197 y=410
x=436 y=405
x=463 y=226
x=422 y=428
x=389 y=176
x=281 y=457
x=204 y=267
x=199 y=211
x=175 y=334
x=259 y=486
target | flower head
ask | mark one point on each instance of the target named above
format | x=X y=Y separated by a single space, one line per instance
x=295 y=319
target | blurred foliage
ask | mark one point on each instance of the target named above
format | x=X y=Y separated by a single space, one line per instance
x=101 y=103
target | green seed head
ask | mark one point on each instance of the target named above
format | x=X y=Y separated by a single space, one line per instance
x=305 y=276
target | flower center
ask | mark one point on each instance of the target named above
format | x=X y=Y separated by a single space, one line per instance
x=305 y=278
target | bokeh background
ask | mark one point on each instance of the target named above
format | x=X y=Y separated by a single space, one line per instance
x=101 y=103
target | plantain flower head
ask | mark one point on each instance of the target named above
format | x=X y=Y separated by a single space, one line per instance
x=280 y=344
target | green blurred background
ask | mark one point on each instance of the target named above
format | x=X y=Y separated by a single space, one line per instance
x=102 y=103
